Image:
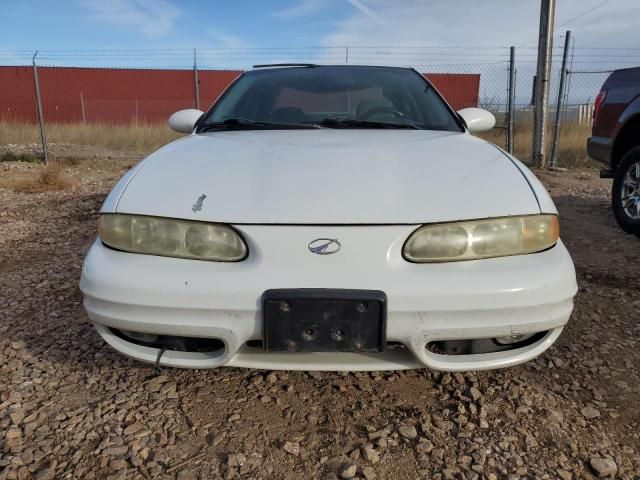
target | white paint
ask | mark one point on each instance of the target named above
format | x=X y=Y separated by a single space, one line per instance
x=184 y=121
x=369 y=189
x=484 y=298
x=477 y=119
x=329 y=176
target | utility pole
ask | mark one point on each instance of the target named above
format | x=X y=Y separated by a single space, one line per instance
x=545 y=46
x=195 y=80
x=560 y=105
x=512 y=99
x=43 y=134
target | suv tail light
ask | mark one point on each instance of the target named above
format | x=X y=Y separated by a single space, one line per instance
x=597 y=106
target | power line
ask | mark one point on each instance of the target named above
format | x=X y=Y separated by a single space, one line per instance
x=584 y=13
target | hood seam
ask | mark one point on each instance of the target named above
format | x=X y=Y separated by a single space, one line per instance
x=535 y=195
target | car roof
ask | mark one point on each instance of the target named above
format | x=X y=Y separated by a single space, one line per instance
x=315 y=65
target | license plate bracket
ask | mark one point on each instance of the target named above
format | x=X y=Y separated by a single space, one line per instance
x=324 y=320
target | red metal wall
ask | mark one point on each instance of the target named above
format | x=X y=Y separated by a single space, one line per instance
x=461 y=90
x=136 y=95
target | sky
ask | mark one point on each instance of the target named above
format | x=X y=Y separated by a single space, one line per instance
x=245 y=26
x=432 y=35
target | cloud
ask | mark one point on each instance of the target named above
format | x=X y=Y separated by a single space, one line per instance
x=153 y=18
x=303 y=8
x=227 y=40
x=477 y=24
x=359 y=5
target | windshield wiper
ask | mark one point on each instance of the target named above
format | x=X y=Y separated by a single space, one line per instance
x=247 y=124
x=355 y=123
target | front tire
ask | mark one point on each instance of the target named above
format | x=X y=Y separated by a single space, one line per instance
x=625 y=192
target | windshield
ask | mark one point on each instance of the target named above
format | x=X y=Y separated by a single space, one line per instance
x=331 y=96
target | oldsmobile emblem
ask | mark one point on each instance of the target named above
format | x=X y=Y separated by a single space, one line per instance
x=324 y=246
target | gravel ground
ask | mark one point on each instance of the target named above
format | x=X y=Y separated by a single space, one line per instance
x=71 y=408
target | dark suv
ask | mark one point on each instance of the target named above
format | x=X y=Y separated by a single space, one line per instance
x=615 y=141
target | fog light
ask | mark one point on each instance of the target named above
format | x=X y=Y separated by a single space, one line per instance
x=140 y=337
x=511 y=339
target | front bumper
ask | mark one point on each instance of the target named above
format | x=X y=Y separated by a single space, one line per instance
x=464 y=300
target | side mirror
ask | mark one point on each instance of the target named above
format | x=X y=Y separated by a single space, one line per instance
x=477 y=119
x=184 y=121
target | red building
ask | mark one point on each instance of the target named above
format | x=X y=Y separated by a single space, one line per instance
x=116 y=95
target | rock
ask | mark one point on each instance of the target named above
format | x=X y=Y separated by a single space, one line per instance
x=590 y=412
x=378 y=434
x=23 y=473
x=475 y=394
x=155 y=384
x=117 y=464
x=47 y=473
x=14 y=433
x=185 y=475
x=133 y=428
x=555 y=417
x=236 y=459
x=17 y=416
x=349 y=471
x=27 y=457
x=370 y=454
x=292 y=448
x=603 y=467
x=116 y=451
x=334 y=463
x=408 y=431
x=368 y=473
x=13 y=439
x=424 y=446
x=564 y=475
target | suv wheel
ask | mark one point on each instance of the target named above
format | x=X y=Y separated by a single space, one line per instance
x=625 y=193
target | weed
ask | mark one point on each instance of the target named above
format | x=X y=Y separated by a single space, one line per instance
x=49 y=178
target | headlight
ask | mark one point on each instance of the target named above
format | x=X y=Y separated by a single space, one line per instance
x=469 y=240
x=171 y=238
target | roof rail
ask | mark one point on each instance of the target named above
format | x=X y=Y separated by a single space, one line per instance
x=267 y=65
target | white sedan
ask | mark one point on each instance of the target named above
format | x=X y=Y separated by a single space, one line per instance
x=329 y=218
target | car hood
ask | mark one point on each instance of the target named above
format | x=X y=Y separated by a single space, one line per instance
x=327 y=176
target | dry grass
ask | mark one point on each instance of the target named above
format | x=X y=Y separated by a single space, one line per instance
x=572 y=146
x=135 y=138
x=47 y=178
x=146 y=138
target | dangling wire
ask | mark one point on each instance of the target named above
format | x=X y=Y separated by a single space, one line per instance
x=156 y=367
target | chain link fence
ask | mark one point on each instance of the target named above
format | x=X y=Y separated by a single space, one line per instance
x=143 y=87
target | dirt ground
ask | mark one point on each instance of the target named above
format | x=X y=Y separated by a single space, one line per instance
x=72 y=408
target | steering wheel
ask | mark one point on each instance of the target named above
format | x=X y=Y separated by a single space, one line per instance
x=374 y=111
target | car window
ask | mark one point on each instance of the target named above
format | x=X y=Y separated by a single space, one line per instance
x=314 y=94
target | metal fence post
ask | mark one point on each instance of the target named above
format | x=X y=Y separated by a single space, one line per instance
x=195 y=80
x=346 y=54
x=84 y=118
x=512 y=99
x=545 y=45
x=43 y=134
x=560 y=104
